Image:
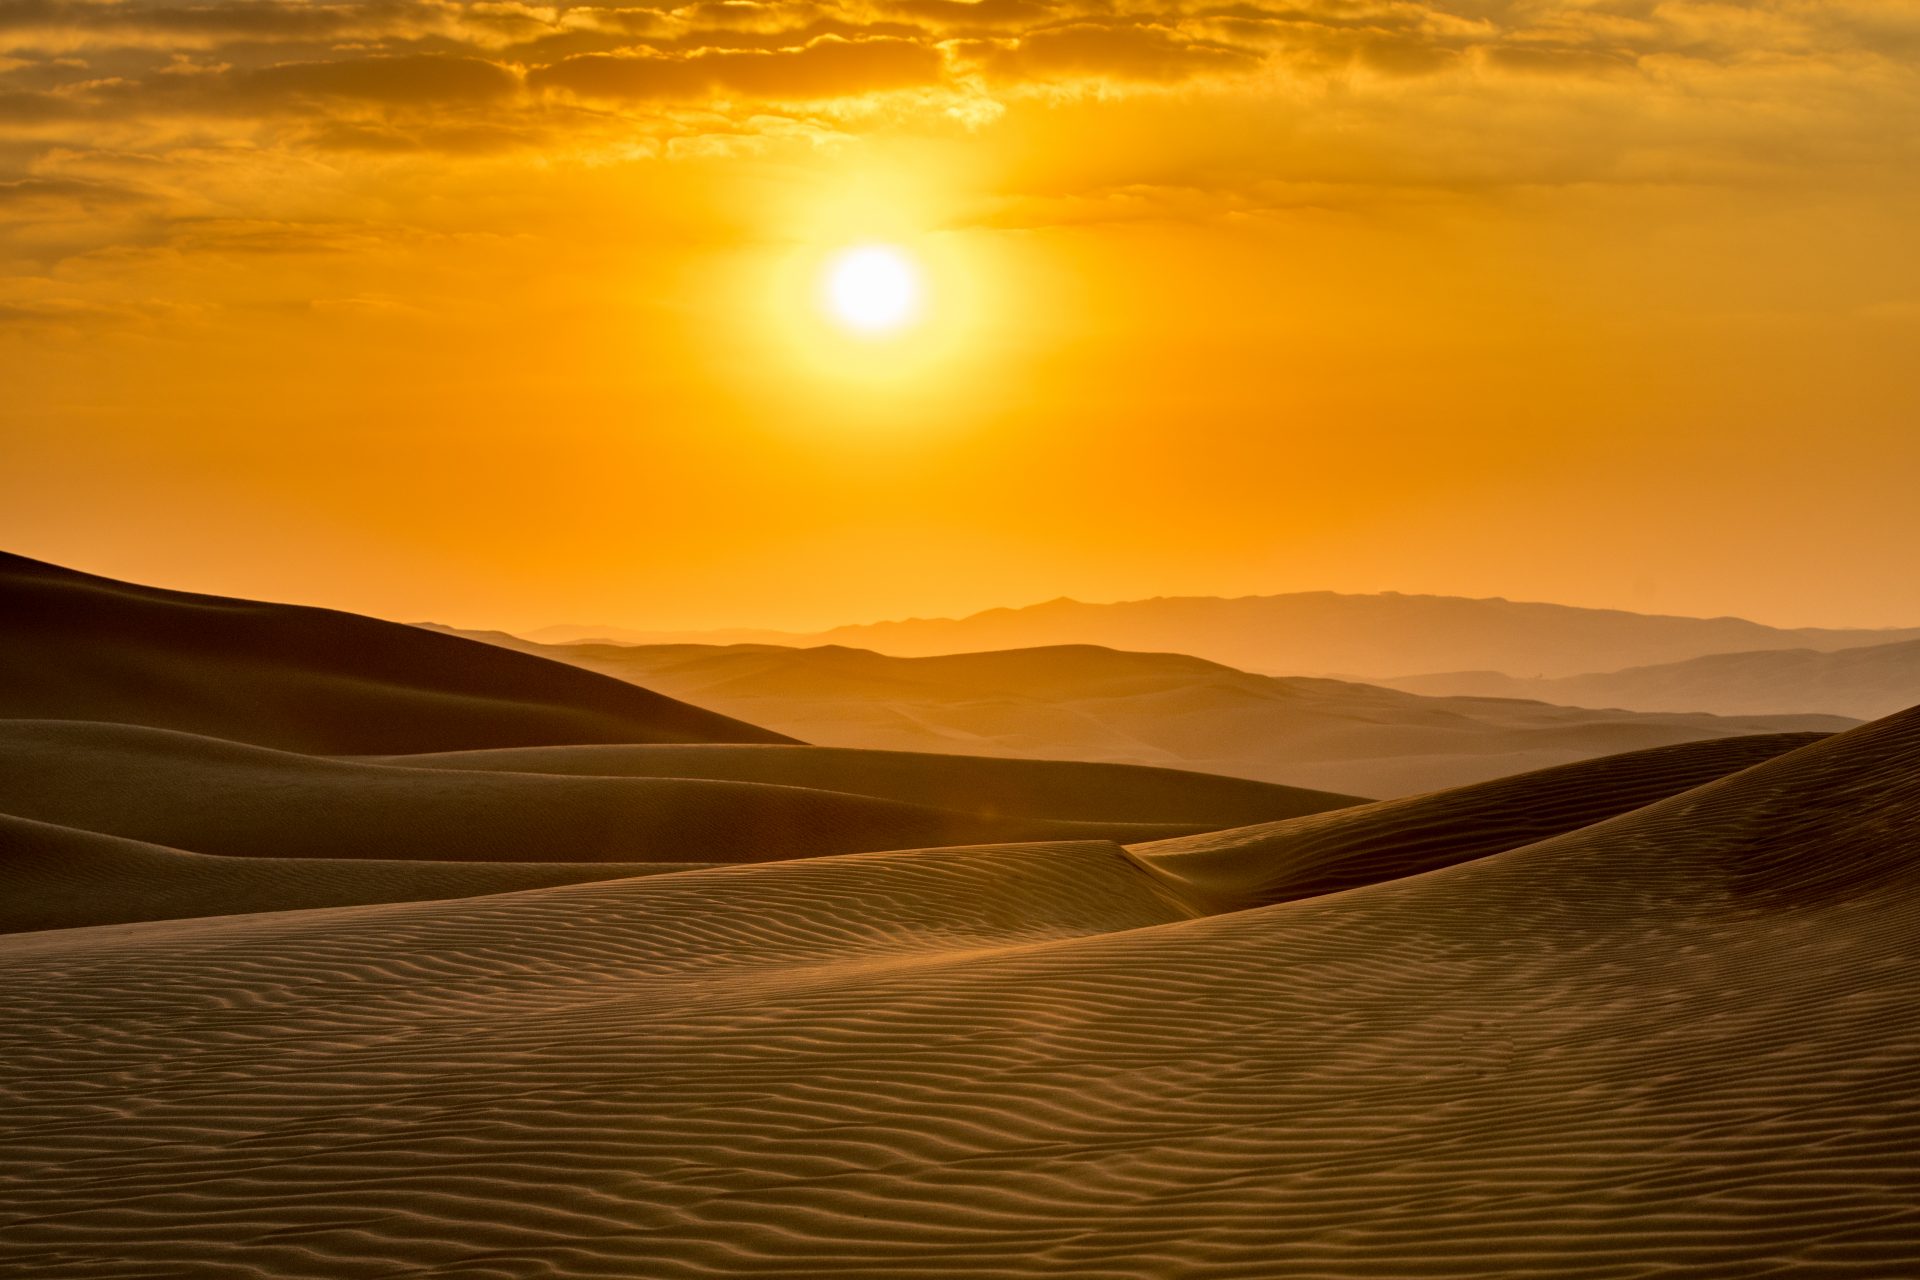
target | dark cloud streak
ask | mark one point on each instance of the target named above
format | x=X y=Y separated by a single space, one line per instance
x=425 y=78
x=827 y=68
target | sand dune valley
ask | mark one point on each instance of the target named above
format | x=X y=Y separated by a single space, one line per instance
x=339 y=949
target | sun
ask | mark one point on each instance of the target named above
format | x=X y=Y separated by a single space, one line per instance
x=872 y=290
x=871 y=314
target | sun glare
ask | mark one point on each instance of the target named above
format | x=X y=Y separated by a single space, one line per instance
x=872 y=290
x=870 y=320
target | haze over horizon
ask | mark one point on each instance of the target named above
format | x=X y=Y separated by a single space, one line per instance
x=964 y=615
x=468 y=604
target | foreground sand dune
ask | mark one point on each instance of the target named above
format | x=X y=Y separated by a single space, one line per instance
x=78 y=647
x=1679 y=1041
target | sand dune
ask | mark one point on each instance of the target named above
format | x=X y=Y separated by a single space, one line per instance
x=115 y=819
x=78 y=647
x=1679 y=1041
x=214 y=797
x=1322 y=633
x=1061 y=789
x=60 y=878
x=638 y=1011
x=1328 y=852
x=1169 y=710
x=1866 y=683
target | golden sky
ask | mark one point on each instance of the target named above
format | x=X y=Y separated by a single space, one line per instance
x=506 y=314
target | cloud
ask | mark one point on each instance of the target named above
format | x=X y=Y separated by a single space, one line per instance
x=1401 y=55
x=380 y=137
x=1556 y=61
x=974 y=15
x=1423 y=92
x=43 y=195
x=418 y=79
x=1147 y=54
x=63 y=317
x=829 y=67
x=87 y=24
x=22 y=106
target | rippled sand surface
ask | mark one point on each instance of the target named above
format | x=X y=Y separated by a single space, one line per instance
x=1537 y=1032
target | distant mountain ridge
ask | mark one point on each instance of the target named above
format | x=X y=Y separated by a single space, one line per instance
x=1865 y=682
x=1313 y=633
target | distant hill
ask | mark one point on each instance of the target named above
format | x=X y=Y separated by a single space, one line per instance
x=1866 y=683
x=79 y=647
x=1083 y=702
x=1311 y=633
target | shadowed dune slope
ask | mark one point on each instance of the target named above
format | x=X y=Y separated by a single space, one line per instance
x=77 y=647
x=60 y=878
x=981 y=784
x=1681 y=1041
x=1325 y=853
x=210 y=796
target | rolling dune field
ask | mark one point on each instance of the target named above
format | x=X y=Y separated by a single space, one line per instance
x=1680 y=1040
x=666 y=1010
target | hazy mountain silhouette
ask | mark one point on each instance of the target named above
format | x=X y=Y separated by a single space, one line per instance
x=1865 y=682
x=1311 y=633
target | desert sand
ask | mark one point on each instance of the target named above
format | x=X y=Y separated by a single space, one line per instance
x=1650 y=1015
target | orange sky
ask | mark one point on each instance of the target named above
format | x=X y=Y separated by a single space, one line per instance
x=505 y=314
